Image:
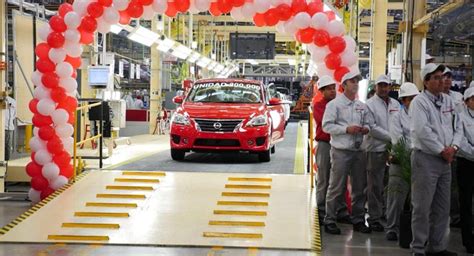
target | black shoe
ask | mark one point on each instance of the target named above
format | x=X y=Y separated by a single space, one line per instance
x=391 y=236
x=442 y=253
x=455 y=223
x=376 y=227
x=344 y=220
x=361 y=227
x=332 y=229
x=469 y=249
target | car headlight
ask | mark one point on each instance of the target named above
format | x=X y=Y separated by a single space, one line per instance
x=180 y=119
x=258 y=121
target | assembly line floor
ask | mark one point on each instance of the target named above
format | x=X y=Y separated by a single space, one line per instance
x=196 y=186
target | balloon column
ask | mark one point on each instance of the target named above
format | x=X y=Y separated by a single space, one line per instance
x=59 y=55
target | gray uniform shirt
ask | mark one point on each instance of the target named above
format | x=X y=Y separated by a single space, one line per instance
x=466 y=149
x=381 y=115
x=341 y=113
x=458 y=101
x=433 y=123
x=400 y=127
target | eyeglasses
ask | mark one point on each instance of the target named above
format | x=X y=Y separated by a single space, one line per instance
x=439 y=78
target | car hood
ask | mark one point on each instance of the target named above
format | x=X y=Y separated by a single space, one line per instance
x=221 y=110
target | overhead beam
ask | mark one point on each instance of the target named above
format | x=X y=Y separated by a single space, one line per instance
x=445 y=8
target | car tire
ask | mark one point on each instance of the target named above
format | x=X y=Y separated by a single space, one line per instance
x=264 y=156
x=177 y=155
x=273 y=149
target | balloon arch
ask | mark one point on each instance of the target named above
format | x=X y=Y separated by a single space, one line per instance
x=59 y=55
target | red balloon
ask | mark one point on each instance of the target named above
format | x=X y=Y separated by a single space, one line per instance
x=340 y=72
x=62 y=159
x=331 y=15
x=58 y=94
x=39 y=182
x=105 y=3
x=74 y=61
x=284 y=12
x=124 y=18
x=134 y=9
x=33 y=169
x=306 y=35
x=46 y=133
x=259 y=20
x=64 y=9
x=55 y=146
x=182 y=5
x=214 y=9
x=298 y=6
x=69 y=104
x=50 y=80
x=55 y=39
x=95 y=10
x=333 y=61
x=238 y=3
x=45 y=65
x=39 y=120
x=337 y=44
x=88 y=24
x=32 y=106
x=46 y=192
x=225 y=6
x=57 y=24
x=86 y=37
x=315 y=7
x=42 y=50
x=33 y=154
x=321 y=37
x=272 y=17
x=67 y=171
x=145 y=2
x=72 y=118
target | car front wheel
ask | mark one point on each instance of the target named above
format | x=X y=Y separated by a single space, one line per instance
x=177 y=155
x=264 y=156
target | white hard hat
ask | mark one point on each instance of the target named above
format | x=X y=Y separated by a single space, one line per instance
x=471 y=85
x=325 y=81
x=428 y=57
x=408 y=89
x=430 y=68
x=447 y=70
x=469 y=93
x=383 y=79
x=350 y=75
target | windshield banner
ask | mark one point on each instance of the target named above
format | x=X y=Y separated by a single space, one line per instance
x=242 y=85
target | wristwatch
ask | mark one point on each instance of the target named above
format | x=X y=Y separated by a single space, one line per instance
x=456 y=148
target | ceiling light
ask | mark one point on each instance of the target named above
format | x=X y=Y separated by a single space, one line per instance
x=203 y=62
x=194 y=57
x=165 y=45
x=115 y=29
x=292 y=62
x=143 y=36
x=181 y=52
x=253 y=62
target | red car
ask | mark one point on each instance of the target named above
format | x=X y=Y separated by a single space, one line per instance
x=220 y=115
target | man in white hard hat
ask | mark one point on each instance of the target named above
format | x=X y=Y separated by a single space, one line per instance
x=327 y=86
x=456 y=96
x=9 y=121
x=398 y=187
x=346 y=120
x=436 y=136
x=471 y=84
x=429 y=59
x=382 y=108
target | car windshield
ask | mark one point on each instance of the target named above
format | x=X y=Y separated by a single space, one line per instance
x=225 y=92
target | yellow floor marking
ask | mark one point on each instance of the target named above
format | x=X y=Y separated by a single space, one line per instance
x=78 y=238
x=250 y=179
x=99 y=204
x=127 y=196
x=237 y=223
x=215 y=250
x=137 y=180
x=245 y=194
x=148 y=188
x=143 y=173
x=243 y=213
x=91 y=225
x=252 y=251
x=232 y=235
x=299 y=167
x=240 y=203
x=102 y=214
x=242 y=186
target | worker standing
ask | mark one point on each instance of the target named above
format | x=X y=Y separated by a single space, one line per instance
x=138 y=104
x=456 y=96
x=398 y=187
x=9 y=121
x=346 y=120
x=382 y=108
x=436 y=136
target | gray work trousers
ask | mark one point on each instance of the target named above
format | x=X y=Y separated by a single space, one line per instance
x=323 y=161
x=397 y=191
x=376 y=163
x=8 y=144
x=344 y=163
x=431 y=194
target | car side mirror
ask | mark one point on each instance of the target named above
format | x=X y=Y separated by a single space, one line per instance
x=178 y=99
x=274 y=101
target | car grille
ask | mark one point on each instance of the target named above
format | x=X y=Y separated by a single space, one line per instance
x=209 y=125
x=217 y=143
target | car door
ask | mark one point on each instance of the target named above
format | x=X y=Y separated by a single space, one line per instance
x=277 y=115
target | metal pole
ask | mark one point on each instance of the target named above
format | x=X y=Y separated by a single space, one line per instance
x=101 y=133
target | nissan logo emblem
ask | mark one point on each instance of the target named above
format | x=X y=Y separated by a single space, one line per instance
x=217 y=125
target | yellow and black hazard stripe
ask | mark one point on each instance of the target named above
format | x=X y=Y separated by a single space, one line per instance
x=316 y=245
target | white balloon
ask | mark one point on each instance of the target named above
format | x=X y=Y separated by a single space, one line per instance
x=248 y=11
x=64 y=69
x=354 y=68
x=203 y=5
x=319 y=21
x=73 y=49
x=57 y=55
x=64 y=130
x=59 y=182
x=261 y=6
x=290 y=27
x=335 y=28
x=236 y=14
x=120 y=5
x=350 y=43
x=34 y=195
x=160 y=6
x=312 y=48
x=60 y=116
x=50 y=171
x=37 y=144
x=69 y=84
x=280 y=27
x=42 y=92
x=80 y=7
x=111 y=15
x=148 y=13
x=193 y=9
x=35 y=131
x=43 y=32
x=68 y=143
x=103 y=26
x=46 y=106
x=320 y=53
x=72 y=36
x=36 y=78
x=72 y=20
x=348 y=58
x=322 y=70
x=43 y=157
x=302 y=20
x=276 y=2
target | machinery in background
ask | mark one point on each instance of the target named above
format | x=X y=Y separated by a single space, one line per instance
x=300 y=111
